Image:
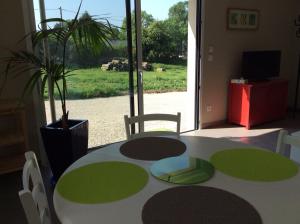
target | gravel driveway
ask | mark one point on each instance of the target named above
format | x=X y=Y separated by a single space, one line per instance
x=106 y=115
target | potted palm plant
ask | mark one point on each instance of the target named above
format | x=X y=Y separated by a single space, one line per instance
x=65 y=140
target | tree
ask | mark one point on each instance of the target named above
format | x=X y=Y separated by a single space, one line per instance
x=179 y=11
x=84 y=57
x=156 y=42
x=178 y=26
x=162 y=40
x=85 y=32
x=146 y=20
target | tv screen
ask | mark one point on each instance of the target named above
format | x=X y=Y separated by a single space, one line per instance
x=257 y=65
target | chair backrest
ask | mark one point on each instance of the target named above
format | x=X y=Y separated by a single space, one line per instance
x=33 y=196
x=285 y=139
x=151 y=117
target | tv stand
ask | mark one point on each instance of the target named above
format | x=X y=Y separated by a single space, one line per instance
x=257 y=102
x=258 y=80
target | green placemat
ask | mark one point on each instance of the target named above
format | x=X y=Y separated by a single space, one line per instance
x=254 y=164
x=102 y=182
x=182 y=170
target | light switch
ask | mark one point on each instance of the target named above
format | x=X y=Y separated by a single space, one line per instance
x=211 y=49
x=210 y=57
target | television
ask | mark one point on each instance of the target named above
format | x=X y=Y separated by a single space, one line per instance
x=260 y=65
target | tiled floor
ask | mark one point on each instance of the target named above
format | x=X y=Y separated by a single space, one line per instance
x=262 y=136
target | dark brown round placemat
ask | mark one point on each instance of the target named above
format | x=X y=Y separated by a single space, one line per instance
x=198 y=205
x=152 y=148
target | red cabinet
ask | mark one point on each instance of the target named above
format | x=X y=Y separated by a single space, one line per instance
x=255 y=103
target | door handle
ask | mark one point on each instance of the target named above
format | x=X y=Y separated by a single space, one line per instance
x=141 y=75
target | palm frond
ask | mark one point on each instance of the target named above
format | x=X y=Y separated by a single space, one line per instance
x=43 y=85
x=91 y=33
x=86 y=32
x=31 y=83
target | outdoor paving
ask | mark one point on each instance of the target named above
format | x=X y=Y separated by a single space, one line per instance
x=106 y=115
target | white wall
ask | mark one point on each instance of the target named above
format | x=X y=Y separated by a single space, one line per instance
x=191 y=69
x=276 y=31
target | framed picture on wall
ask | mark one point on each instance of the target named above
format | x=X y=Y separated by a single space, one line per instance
x=242 y=19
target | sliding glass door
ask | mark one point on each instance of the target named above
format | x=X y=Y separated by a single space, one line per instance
x=100 y=88
x=144 y=71
x=162 y=73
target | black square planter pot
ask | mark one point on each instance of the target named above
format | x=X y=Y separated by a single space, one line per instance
x=64 y=146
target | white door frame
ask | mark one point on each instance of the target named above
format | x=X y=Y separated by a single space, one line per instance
x=194 y=62
x=139 y=60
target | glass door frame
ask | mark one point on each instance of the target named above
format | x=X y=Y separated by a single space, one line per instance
x=139 y=59
x=130 y=62
x=198 y=63
x=46 y=52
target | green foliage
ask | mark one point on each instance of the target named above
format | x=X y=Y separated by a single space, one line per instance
x=157 y=42
x=146 y=18
x=89 y=83
x=162 y=41
x=85 y=33
x=178 y=26
x=165 y=41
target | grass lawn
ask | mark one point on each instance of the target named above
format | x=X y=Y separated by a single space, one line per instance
x=89 y=83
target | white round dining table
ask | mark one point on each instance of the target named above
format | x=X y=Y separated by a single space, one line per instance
x=277 y=202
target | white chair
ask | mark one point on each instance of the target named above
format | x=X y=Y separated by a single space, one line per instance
x=151 y=117
x=33 y=196
x=285 y=139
